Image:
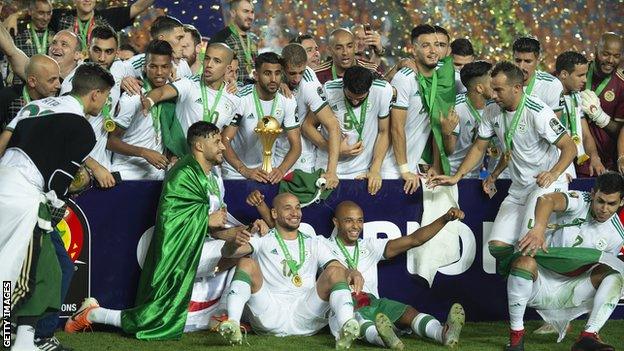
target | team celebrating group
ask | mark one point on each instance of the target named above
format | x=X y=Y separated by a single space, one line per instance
x=188 y=112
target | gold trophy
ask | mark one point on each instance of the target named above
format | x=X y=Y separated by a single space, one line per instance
x=268 y=129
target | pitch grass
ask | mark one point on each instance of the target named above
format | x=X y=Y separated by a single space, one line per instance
x=475 y=337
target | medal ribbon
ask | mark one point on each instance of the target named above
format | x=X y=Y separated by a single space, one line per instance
x=590 y=78
x=155 y=110
x=209 y=113
x=334 y=74
x=26 y=96
x=259 y=110
x=570 y=120
x=213 y=187
x=40 y=45
x=509 y=133
x=85 y=30
x=352 y=262
x=246 y=48
x=358 y=124
x=294 y=267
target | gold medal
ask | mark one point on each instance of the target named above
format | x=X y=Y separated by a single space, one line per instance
x=109 y=125
x=297 y=281
x=609 y=95
x=581 y=159
x=85 y=54
x=576 y=139
x=507 y=155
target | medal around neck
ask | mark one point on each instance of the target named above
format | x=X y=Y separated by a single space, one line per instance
x=82 y=181
x=268 y=129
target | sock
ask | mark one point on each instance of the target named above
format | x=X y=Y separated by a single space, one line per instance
x=519 y=288
x=341 y=303
x=605 y=301
x=238 y=295
x=105 y=316
x=25 y=338
x=370 y=334
x=426 y=326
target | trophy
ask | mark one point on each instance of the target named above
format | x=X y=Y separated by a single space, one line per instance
x=268 y=129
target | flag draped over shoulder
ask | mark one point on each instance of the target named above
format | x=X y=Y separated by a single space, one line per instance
x=443 y=100
x=169 y=270
x=173 y=137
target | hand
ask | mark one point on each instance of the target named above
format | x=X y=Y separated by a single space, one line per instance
x=231 y=87
x=374 y=181
x=172 y=161
x=532 y=241
x=242 y=237
x=545 y=179
x=372 y=38
x=590 y=104
x=347 y=150
x=276 y=175
x=155 y=158
x=10 y=23
x=285 y=90
x=489 y=185
x=103 y=177
x=255 y=198
x=448 y=123
x=261 y=227
x=132 y=86
x=445 y=180
x=407 y=63
x=331 y=180
x=452 y=214
x=412 y=182
x=355 y=280
x=596 y=167
x=218 y=218
x=146 y=104
x=431 y=172
x=257 y=174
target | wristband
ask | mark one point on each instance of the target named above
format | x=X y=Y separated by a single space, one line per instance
x=404 y=168
x=151 y=101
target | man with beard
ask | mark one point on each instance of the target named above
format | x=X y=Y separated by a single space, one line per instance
x=137 y=140
x=463 y=53
x=243 y=147
x=603 y=102
x=312 y=50
x=342 y=50
x=310 y=98
x=240 y=38
x=192 y=48
x=191 y=190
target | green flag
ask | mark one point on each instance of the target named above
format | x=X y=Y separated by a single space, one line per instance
x=173 y=137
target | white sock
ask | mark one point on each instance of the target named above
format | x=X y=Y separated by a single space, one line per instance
x=341 y=303
x=519 y=288
x=426 y=326
x=105 y=316
x=605 y=301
x=371 y=334
x=237 y=296
x=25 y=339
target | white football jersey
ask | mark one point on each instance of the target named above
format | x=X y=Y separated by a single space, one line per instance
x=580 y=229
x=417 y=126
x=133 y=67
x=48 y=106
x=533 y=141
x=371 y=252
x=275 y=272
x=310 y=97
x=548 y=89
x=190 y=108
x=378 y=107
x=246 y=143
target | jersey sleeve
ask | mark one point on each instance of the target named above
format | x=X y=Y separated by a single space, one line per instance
x=184 y=70
x=486 y=130
x=182 y=87
x=313 y=95
x=555 y=96
x=256 y=244
x=377 y=247
x=127 y=110
x=385 y=100
x=548 y=126
x=325 y=254
x=291 y=116
x=576 y=203
x=402 y=83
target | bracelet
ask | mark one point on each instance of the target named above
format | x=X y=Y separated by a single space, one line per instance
x=404 y=168
x=152 y=103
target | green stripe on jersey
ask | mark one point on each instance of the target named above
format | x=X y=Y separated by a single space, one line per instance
x=307 y=76
x=379 y=82
x=406 y=70
x=545 y=76
x=460 y=98
x=618 y=226
x=195 y=78
x=532 y=105
x=139 y=63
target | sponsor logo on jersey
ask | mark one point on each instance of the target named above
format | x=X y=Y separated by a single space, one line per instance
x=556 y=126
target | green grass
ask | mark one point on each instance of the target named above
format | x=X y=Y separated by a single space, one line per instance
x=475 y=337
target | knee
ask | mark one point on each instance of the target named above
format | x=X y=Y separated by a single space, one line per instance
x=335 y=274
x=248 y=265
x=526 y=263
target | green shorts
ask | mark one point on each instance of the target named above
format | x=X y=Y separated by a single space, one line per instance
x=393 y=309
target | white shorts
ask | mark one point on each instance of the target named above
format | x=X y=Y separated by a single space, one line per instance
x=514 y=214
x=284 y=315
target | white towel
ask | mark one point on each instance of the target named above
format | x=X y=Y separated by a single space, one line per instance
x=442 y=249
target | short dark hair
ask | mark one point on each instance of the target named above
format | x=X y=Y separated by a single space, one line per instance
x=300 y=38
x=91 y=76
x=439 y=29
x=164 y=24
x=527 y=44
x=568 y=61
x=294 y=54
x=267 y=57
x=158 y=47
x=420 y=30
x=104 y=32
x=201 y=129
x=462 y=47
x=33 y=3
x=610 y=182
x=195 y=34
x=473 y=70
x=512 y=72
x=357 y=79
x=128 y=47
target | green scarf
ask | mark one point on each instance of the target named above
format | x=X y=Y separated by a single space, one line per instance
x=173 y=136
x=443 y=100
x=169 y=270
